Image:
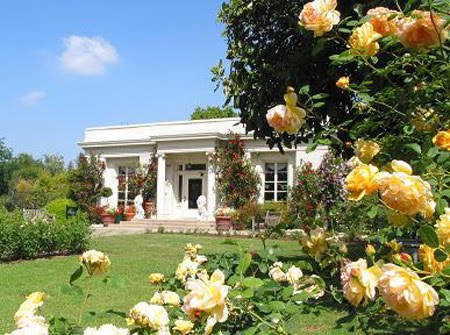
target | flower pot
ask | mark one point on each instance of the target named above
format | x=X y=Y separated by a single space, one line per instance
x=128 y=216
x=148 y=208
x=108 y=218
x=223 y=223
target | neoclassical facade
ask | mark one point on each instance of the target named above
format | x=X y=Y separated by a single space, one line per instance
x=184 y=171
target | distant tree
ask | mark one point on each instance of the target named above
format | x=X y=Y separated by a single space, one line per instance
x=212 y=112
x=54 y=164
x=5 y=158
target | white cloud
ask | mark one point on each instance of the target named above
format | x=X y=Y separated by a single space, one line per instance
x=32 y=98
x=87 y=55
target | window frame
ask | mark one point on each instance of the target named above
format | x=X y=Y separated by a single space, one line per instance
x=275 y=182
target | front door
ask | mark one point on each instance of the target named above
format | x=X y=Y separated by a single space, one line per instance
x=195 y=189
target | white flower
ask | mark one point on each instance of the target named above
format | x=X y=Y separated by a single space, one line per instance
x=186 y=268
x=293 y=275
x=149 y=316
x=276 y=272
x=107 y=329
x=35 y=329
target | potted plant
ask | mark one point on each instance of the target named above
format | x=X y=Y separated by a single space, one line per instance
x=108 y=216
x=129 y=213
x=119 y=214
x=223 y=218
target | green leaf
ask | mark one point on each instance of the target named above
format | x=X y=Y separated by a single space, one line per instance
x=440 y=255
x=277 y=306
x=118 y=313
x=233 y=280
x=248 y=293
x=244 y=263
x=76 y=274
x=414 y=147
x=408 y=129
x=441 y=204
x=251 y=331
x=303 y=90
x=373 y=211
x=304 y=265
x=302 y=296
x=252 y=282
x=311 y=147
x=429 y=236
x=320 y=96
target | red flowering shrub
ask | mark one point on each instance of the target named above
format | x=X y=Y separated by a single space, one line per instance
x=237 y=181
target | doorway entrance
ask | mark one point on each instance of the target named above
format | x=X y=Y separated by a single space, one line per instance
x=195 y=189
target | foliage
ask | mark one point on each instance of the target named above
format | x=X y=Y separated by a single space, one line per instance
x=86 y=184
x=58 y=208
x=25 y=240
x=212 y=112
x=237 y=181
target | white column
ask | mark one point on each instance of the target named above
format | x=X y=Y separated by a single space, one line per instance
x=211 y=186
x=160 y=184
x=290 y=171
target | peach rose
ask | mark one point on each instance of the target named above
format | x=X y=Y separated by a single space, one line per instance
x=383 y=20
x=443 y=228
x=430 y=264
x=360 y=181
x=421 y=32
x=315 y=243
x=405 y=293
x=363 y=40
x=405 y=193
x=366 y=150
x=319 y=16
x=287 y=118
x=442 y=139
x=358 y=282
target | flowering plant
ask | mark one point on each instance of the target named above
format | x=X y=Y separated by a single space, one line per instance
x=224 y=211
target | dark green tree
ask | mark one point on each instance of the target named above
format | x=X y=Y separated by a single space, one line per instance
x=212 y=112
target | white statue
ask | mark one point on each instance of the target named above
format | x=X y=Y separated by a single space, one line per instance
x=138 y=202
x=201 y=205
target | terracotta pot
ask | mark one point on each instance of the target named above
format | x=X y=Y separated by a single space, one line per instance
x=223 y=223
x=128 y=216
x=107 y=219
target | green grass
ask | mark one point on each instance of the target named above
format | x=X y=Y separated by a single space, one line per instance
x=133 y=258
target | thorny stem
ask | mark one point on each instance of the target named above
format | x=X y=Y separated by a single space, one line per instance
x=436 y=29
x=278 y=329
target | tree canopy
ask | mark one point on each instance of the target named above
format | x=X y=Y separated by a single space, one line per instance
x=212 y=112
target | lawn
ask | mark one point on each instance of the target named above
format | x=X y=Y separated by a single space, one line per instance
x=133 y=258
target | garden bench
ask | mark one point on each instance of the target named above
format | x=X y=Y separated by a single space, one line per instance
x=272 y=219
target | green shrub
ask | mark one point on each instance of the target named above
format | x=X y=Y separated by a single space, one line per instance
x=25 y=240
x=58 y=207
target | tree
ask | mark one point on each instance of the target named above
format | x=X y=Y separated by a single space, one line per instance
x=212 y=112
x=54 y=164
x=268 y=51
x=5 y=158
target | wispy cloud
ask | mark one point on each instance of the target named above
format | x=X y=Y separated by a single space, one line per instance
x=33 y=97
x=87 y=55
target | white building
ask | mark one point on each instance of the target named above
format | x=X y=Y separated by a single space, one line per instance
x=184 y=172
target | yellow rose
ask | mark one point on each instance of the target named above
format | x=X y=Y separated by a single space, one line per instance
x=420 y=32
x=26 y=315
x=394 y=245
x=95 y=262
x=442 y=139
x=370 y=250
x=108 y=329
x=207 y=296
x=405 y=293
x=366 y=150
x=363 y=40
x=276 y=272
x=343 y=82
x=430 y=264
x=401 y=166
x=383 y=20
x=156 y=278
x=187 y=268
x=361 y=181
x=319 y=16
x=157 y=299
x=153 y=317
x=443 y=228
x=358 y=282
x=183 y=326
x=315 y=243
x=287 y=118
x=171 y=298
x=405 y=193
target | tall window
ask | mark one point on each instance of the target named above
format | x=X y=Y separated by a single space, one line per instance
x=125 y=196
x=275 y=186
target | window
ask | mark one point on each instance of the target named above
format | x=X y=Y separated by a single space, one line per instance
x=275 y=186
x=195 y=167
x=125 y=196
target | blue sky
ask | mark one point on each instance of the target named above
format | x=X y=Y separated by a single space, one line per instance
x=68 y=65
